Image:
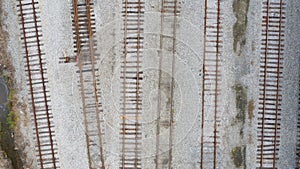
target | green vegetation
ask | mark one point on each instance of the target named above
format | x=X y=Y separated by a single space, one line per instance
x=11 y=120
x=11 y=94
x=7 y=124
x=238 y=155
x=12 y=116
x=240 y=10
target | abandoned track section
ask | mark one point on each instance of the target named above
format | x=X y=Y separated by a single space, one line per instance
x=42 y=118
x=210 y=138
x=131 y=89
x=85 y=47
x=165 y=112
x=269 y=111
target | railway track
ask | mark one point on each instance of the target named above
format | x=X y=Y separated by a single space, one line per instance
x=210 y=137
x=35 y=63
x=269 y=113
x=131 y=89
x=165 y=109
x=85 y=50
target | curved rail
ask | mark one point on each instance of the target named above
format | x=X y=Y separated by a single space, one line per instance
x=85 y=48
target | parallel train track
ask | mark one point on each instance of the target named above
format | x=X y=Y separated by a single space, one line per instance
x=210 y=137
x=42 y=118
x=270 y=77
x=85 y=50
x=269 y=113
x=131 y=89
x=165 y=113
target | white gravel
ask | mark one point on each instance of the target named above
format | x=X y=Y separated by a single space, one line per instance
x=244 y=69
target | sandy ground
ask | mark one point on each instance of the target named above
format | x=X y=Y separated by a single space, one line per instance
x=239 y=68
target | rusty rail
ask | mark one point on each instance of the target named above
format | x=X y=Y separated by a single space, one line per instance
x=37 y=82
x=210 y=84
x=85 y=47
x=269 y=87
x=131 y=90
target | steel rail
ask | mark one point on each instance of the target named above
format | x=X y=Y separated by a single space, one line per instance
x=92 y=52
x=132 y=49
x=44 y=101
x=264 y=90
x=137 y=82
x=270 y=55
x=124 y=86
x=216 y=85
x=43 y=82
x=80 y=60
x=30 y=83
x=277 y=86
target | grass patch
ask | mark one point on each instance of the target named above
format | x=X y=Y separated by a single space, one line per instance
x=11 y=95
x=12 y=100
x=11 y=120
